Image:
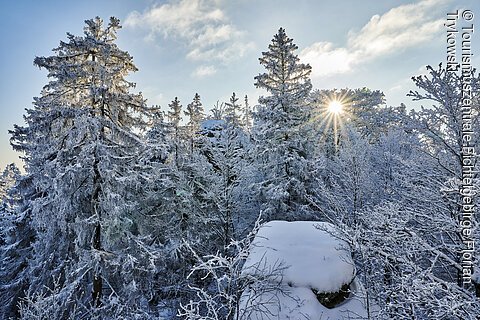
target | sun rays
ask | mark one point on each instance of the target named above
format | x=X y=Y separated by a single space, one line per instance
x=332 y=111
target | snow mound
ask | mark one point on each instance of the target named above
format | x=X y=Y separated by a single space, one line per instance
x=312 y=261
x=312 y=256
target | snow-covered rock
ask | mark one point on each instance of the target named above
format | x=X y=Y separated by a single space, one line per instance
x=314 y=262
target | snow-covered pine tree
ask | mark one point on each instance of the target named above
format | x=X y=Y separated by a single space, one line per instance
x=225 y=151
x=218 y=111
x=278 y=130
x=16 y=251
x=247 y=117
x=8 y=179
x=232 y=111
x=80 y=151
x=174 y=116
x=195 y=114
x=158 y=138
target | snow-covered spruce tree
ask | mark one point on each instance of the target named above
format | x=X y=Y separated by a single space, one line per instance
x=279 y=129
x=174 y=116
x=232 y=110
x=8 y=178
x=218 y=111
x=226 y=150
x=195 y=114
x=16 y=240
x=80 y=152
x=247 y=116
x=158 y=139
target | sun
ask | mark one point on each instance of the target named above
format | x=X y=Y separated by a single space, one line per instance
x=332 y=111
x=335 y=107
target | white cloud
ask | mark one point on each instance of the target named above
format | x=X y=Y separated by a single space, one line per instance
x=204 y=71
x=398 y=29
x=201 y=25
x=179 y=18
x=224 y=54
x=213 y=35
x=326 y=60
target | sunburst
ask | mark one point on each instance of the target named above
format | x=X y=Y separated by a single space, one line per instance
x=332 y=113
x=335 y=107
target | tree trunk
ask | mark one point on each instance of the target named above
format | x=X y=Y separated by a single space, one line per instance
x=97 y=244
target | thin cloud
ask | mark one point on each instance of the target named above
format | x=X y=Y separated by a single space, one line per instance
x=178 y=18
x=201 y=25
x=225 y=54
x=204 y=71
x=398 y=29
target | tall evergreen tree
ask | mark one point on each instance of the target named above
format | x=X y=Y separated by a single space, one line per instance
x=174 y=116
x=218 y=111
x=246 y=115
x=278 y=129
x=196 y=114
x=8 y=179
x=80 y=151
x=232 y=110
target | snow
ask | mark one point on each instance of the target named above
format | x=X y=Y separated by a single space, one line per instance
x=301 y=303
x=212 y=124
x=313 y=258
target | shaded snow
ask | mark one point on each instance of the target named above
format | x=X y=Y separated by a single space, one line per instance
x=298 y=303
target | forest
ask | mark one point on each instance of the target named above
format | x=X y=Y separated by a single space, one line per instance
x=126 y=210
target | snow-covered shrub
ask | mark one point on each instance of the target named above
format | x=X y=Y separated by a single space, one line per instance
x=227 y=281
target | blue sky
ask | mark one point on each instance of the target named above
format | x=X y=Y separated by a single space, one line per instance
x=212 y=46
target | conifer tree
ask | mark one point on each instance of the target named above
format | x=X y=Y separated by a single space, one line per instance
x=246 y=115
x=174 y=116
x=80 y=151
x=281 y=118
x=195 y=113
x=232 y=110
x=218 y=111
